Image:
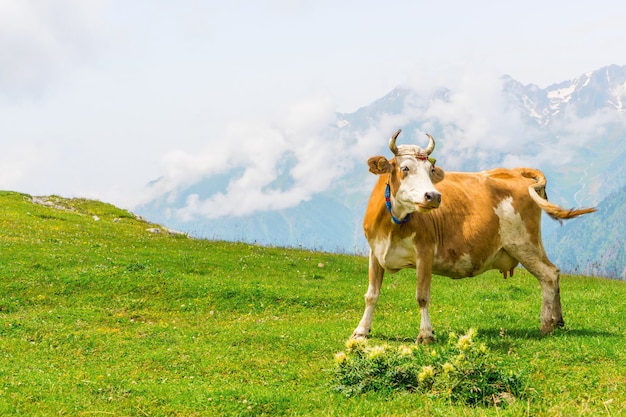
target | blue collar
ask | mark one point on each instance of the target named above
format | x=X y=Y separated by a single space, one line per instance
x=388 y=204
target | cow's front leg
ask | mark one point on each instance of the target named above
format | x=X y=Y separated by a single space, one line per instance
x=375 y=274
x=422 y=295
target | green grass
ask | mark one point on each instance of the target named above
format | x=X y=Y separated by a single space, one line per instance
x=101 y=317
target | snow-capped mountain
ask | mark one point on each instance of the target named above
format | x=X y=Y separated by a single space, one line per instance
x=588 y=112
x=588 y=93
x=575 y=131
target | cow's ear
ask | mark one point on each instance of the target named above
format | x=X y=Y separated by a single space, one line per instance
x=437 y=175
x=379 y=165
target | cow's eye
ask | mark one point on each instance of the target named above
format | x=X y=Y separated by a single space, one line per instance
x=404 y=169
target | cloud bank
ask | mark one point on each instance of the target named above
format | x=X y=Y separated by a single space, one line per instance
x=271 y=165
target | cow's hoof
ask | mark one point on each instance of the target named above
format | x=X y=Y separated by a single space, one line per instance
x=425 y=339
x=549 y=329
x=552 y=325
x=546 y=330
x=359 y=334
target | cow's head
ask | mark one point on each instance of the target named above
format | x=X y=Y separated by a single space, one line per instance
x=411 y=177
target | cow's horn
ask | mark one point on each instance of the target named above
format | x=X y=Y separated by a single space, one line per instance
x=392 y=142
x=431 y=145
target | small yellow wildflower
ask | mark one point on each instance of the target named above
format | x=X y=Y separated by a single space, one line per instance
x=354 y=344
x=447 y=367
x=482 y=348
x=340 y=357
x=405 y=350
x=376 y=351
x=351 y=343
x=464 y=342
x=427 y=372
x=434 y=353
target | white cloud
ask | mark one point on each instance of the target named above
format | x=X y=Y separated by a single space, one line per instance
x=472 y=120
x=293 y=143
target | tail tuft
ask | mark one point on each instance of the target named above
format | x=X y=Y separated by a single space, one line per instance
x=559 y=214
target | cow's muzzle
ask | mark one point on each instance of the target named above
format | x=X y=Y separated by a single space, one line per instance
x=432 y=200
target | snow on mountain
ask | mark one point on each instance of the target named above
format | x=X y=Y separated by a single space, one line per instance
x=592 y=91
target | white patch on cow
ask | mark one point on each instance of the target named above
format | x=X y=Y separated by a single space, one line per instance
x=512 y=227
x=395 y=254
x=461 y=268
x=463 y=265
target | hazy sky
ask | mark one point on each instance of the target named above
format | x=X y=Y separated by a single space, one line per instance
x=100 y=97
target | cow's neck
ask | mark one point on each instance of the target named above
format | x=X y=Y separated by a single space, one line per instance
x=390 y=208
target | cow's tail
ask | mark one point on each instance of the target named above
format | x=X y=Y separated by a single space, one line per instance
x=537 y=192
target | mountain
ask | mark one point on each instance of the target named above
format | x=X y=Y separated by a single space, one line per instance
x=589 y=111
x=573 y=130
x=596 y=244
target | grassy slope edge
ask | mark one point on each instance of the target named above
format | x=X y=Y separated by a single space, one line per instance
x=98 y=316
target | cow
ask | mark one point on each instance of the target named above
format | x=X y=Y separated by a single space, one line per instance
x=457 y=225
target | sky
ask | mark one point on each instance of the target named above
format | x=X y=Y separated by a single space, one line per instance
x=100 y=98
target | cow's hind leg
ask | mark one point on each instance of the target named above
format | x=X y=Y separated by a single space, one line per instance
x=551 y=312
x=548 y=275
x=375 y=274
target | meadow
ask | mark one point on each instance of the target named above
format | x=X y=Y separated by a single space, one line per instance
x=101 y=317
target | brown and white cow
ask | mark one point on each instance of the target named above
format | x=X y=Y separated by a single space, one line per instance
x=464 y=225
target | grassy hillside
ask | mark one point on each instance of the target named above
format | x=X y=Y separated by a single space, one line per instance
x=99 y=316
